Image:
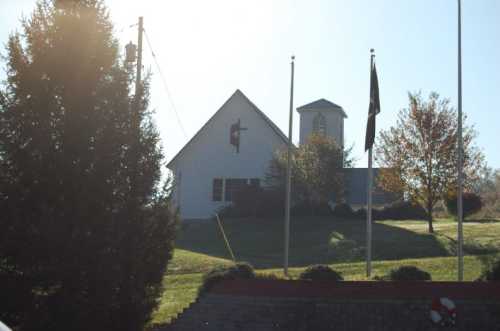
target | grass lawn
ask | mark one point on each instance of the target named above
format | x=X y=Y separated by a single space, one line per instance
x=324 y=240
x=339 y=243
x=186 y=262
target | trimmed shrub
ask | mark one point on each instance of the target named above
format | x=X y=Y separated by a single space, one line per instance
x=402 y=210
x=268 y=276
x=320 y=272
x=343 y=210
x=254 y=201
x=472 y=203
x=240 y=270
x=409 y=273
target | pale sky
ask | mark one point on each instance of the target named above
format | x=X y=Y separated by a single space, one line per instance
x=208 y=49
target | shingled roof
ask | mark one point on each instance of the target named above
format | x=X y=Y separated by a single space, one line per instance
x=321 y=104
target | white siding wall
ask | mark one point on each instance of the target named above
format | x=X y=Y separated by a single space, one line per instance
x=334 y=124
x=210 y=155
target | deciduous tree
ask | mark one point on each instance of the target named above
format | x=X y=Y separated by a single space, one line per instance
x=317 y=170
x=419 y=153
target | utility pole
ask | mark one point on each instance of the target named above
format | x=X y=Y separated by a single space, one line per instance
x=136 y=120
x=288 y=176
x=134 y=201
x=460 y=235
x=138 y=89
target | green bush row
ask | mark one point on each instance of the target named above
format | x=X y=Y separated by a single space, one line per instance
x=262 y=202
x=400 y=210
x=320 y=272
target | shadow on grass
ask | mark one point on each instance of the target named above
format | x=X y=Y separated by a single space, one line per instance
x=470 y=246
x=482 y=220
x=312 y=240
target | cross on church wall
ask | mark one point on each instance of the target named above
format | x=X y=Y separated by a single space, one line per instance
x=235 y=134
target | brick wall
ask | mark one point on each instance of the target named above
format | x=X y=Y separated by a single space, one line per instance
x=301 y=305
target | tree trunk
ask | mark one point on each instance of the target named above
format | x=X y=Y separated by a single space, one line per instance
x=429 y=217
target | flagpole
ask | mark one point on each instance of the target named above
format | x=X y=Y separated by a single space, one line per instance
x=369 y=202
x=288 y=175
x=460 y=234
x=369 y=218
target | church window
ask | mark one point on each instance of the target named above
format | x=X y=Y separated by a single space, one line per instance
x=319 y=124
x=217 y=189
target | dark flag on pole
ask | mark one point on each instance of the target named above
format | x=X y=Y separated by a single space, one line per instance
x=373 y=109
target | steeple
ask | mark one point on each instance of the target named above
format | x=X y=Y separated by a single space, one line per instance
x=322 y=117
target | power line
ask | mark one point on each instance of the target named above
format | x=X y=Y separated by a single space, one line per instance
x=165 y=85
x=127 y=27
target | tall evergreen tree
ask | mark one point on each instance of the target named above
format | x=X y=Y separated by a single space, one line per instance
x=87 y=229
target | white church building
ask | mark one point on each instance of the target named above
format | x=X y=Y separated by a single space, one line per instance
x=234 y=148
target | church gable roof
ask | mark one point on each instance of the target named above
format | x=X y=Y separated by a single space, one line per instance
x=321 y=104
x=273 y=126
x=237 y=93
